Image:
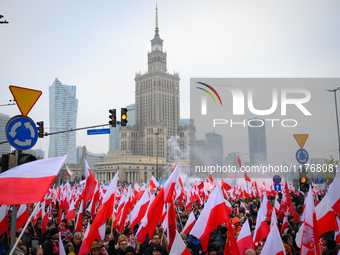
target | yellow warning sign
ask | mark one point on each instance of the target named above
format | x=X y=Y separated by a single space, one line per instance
x=301 y=139
x=25 y=98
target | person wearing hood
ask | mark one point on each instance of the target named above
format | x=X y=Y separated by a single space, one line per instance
x=51 y=244
x=237 y=223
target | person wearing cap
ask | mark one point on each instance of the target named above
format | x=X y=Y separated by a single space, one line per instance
x=331 y=247
x=20 y=249
x=74 y=245
x=212 y=249
x=156 y=240
x=95 y=248
x=50 y=225
x=157 y=249
x=130 y=251
x=68 y=237
x=51 y=244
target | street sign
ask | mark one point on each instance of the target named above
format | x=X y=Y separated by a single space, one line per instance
x=301 y=139
x=277 y=187
x=21 y=132
x=302 y=156
x=25 y=98
x=277 y=179
x=319 y=180
x=98 y=131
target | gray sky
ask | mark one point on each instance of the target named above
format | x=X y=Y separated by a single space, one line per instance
x=100 y=45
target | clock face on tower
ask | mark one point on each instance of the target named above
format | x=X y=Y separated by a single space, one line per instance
x=154 y=47
x=159 y=47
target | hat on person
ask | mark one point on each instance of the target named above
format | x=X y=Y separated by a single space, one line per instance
x=20 y=242
x=68 y=235
x=95 y=246
x=130 y=249
x=64 y=220
x=50 y=223
x=54 y=231
x=212 y=247
x=183 y=236
x=289 y=217
x=157 y=247
x=331 y=244
x=223 y=230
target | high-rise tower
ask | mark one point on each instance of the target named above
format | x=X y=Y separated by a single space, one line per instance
x=63 y=116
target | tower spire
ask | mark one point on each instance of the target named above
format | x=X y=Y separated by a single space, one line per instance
x=156 y=30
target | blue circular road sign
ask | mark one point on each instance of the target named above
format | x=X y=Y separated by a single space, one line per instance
x=302 y=156
x=277 y=179
x=21 y=132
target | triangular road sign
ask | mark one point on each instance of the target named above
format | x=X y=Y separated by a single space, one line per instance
x=301 y=139
x=25 y=98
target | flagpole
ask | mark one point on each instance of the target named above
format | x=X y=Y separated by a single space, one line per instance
x=23 y=230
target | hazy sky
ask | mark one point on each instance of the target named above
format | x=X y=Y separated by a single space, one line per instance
x=100 y=45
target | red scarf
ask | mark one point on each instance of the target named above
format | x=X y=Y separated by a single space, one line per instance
x=55 y=246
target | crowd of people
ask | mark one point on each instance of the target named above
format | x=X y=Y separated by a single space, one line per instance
x=243 y=211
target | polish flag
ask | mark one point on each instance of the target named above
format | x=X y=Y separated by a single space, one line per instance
x=179 y=247
x=337 y=233
x=95 y=198
x=154 y=183
x=244 y=239
x=79 y=223
x=61 y=247
x=97 y=229
x=68 y=171
x=286 y=205
x=273 y=221
x=308 y=237
x=261 y=227
x=325 y=217
x=45 y=218
x=126 y=210
x=225 y=184
x=28 y=183
x=154 y=213
x=90 y=185
x=239 y=160
x=267 y=208
x=215 y=213
x=190 y=223
x=171 y=230
x=333 y=194
x=211 y=178
x=277 y=204
x=22 y=217
x=274 y=245
x=139 y=211
x=285 y=224
x=3 y=219
x=71 y=215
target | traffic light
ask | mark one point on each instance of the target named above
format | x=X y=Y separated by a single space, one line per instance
x=4 y=162
x=304 y=186
x=25 y=158
x=113 y=118
x=123 y=117
x=40 y=128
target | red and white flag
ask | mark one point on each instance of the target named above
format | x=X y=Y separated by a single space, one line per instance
x=179 y=247
x=261 y=227
x=334 y=194
x=244 y=239
x=139 y=211
x=68 y=171
x=71 y=214
x=325 y=217
x=154 y=183
x=274 y=245
x=79 y=223
x=28 y=183
x=285 y=224
x=189 y=224
x=22 y=217
x=215 y=213
x=154 y=213
x=90 y=184
x=307 y=237
x=61 y=247
x=97 y=229
x=239 y=160
x=3 y=219
x=171 y=228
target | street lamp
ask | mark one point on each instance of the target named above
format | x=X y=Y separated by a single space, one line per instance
x=337 y=119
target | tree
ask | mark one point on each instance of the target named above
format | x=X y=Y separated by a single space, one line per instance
x=330 y=163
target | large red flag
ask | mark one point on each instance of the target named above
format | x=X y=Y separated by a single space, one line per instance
x=286 y=206
x=231 y=247
x=171 y=230
x=29 y=182
x=90 y=185
x=105 y=211
x=215 y=213
x=325 y=217
x=334 y=194
x=139 y=211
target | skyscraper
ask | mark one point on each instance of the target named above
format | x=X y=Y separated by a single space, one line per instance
x=157 y=106
x=6 y=147
x=257 y=142
x=63 y=116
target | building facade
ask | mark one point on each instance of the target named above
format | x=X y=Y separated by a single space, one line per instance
x=257 y=142
x=157 y=106
x=63 y=116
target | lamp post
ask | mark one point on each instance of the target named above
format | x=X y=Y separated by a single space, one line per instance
x=337 y=119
